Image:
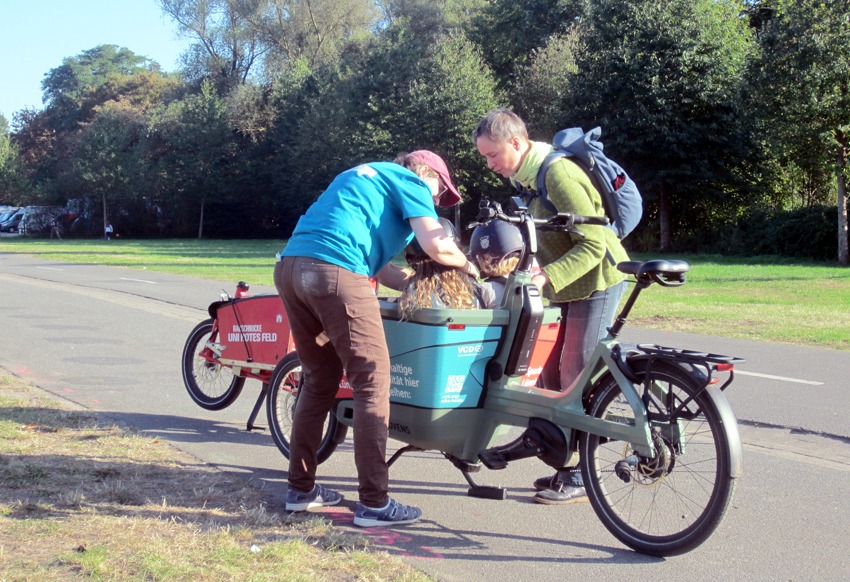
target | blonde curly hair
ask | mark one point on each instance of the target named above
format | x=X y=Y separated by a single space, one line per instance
x=493 y=266
x=435 y=285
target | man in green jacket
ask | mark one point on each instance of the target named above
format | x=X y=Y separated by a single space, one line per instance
x=579 y=274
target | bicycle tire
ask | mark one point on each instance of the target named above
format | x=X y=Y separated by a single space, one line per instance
x=673 y=503
x=211 y=385
x=280 y=408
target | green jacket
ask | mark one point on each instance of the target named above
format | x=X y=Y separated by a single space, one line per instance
x=576 y=266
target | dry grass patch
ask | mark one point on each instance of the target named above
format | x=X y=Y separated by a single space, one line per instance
x=83 y=500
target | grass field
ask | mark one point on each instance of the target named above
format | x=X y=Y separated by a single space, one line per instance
x=759 y=298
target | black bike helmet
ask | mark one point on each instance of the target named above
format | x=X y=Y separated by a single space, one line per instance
x=413 y=252
x=496 y=239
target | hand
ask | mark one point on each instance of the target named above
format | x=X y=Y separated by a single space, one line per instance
x=471 y=269
x=540 y=280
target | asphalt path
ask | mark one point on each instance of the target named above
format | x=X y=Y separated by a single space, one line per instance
x=110 y=340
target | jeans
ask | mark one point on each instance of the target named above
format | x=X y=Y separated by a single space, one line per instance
x=583 y=324
x=335 y=321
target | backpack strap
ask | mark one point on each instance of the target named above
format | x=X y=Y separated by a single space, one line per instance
x=540 y=185
x=544 y=196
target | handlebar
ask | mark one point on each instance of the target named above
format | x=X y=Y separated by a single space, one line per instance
x=528 y=225
x=561 y=222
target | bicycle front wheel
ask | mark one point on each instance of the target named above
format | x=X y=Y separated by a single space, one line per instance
x=284 y=386
x=671 y=503
x=211 y=385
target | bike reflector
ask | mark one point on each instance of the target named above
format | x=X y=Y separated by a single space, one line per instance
x=457 y=326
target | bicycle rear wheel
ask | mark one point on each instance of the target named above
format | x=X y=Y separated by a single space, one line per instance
x=211 y=385
x=672 y=503
x=284 y=386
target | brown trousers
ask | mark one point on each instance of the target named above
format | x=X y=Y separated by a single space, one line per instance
x=335 y=320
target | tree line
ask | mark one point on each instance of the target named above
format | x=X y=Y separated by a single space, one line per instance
x=732 y=117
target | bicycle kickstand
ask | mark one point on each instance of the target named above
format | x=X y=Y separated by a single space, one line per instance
x=262 y=398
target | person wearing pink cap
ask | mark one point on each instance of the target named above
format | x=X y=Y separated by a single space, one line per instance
x=365 y=217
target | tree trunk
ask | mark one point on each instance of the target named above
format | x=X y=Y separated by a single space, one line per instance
x=664 y=218
x=841 y=163
x=843 y=255
x=105 y=220
x=201 y=221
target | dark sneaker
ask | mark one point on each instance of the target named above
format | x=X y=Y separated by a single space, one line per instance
x=563 y=495
x=393 y=513
x=569 y=476
x=318 y=497
x=546 y=482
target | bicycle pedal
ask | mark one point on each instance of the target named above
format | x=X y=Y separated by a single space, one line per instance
x=493 y=460
x=486 y=492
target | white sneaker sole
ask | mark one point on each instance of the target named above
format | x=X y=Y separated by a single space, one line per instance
x=366 y=522
x=310 y=505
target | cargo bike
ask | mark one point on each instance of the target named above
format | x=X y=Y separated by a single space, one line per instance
x=649 y=426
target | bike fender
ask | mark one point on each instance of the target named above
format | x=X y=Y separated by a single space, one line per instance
x=730 y=425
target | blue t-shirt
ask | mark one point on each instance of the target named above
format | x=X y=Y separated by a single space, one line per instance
x=361 y=221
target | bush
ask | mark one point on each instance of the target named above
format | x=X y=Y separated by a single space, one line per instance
x=805 y=233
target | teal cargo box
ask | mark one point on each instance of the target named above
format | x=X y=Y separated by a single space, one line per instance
x=439 y=358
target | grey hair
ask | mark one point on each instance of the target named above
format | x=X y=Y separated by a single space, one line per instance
x=500 y=125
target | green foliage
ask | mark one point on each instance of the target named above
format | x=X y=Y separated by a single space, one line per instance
x=409 y=92
x=508 y=31
x=12 y=172
x=544 y=82
x=686 y=104
x=805 y=233
x=67 y=88
x=451 y=93
x=806 y=122
x=192 y=147
x=106 y=163
x=662 y=78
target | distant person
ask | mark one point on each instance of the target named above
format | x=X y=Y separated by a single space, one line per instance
x=54 y=229
x=107 y=231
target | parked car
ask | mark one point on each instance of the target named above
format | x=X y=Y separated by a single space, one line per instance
x=12 y=223
x=8 y=212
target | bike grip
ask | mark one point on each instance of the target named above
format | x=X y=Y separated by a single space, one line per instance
x=599 y=220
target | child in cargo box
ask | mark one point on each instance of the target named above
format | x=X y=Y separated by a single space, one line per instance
x=495 y=248
x=436 y=285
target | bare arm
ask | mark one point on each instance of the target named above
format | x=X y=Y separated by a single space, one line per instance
x=393 y=276
x=441 y=248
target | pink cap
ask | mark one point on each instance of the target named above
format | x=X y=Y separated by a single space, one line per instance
x=436 y=163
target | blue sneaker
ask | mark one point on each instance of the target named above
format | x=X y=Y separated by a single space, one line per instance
x=318 y=497
x=393 y=513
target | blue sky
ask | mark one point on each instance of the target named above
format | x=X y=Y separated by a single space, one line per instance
x=36 y=35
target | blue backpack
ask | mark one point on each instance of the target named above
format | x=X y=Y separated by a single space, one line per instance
x=620 y=195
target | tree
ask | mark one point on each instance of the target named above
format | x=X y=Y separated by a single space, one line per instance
x=662 y=77
x=191 y=145
x=543 y=83
x=12 y=177
x=442 y=120
x=106 y=163
x=314 y=32
x=508 y=31
x=68 y=88
x=802 y=79
x=226 y=47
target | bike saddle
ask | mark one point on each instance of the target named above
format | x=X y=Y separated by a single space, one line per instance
x=661 y=271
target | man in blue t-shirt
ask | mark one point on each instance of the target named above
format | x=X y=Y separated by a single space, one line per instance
x=366 y=217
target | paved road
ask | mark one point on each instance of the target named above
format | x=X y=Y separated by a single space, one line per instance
x=110 y=339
